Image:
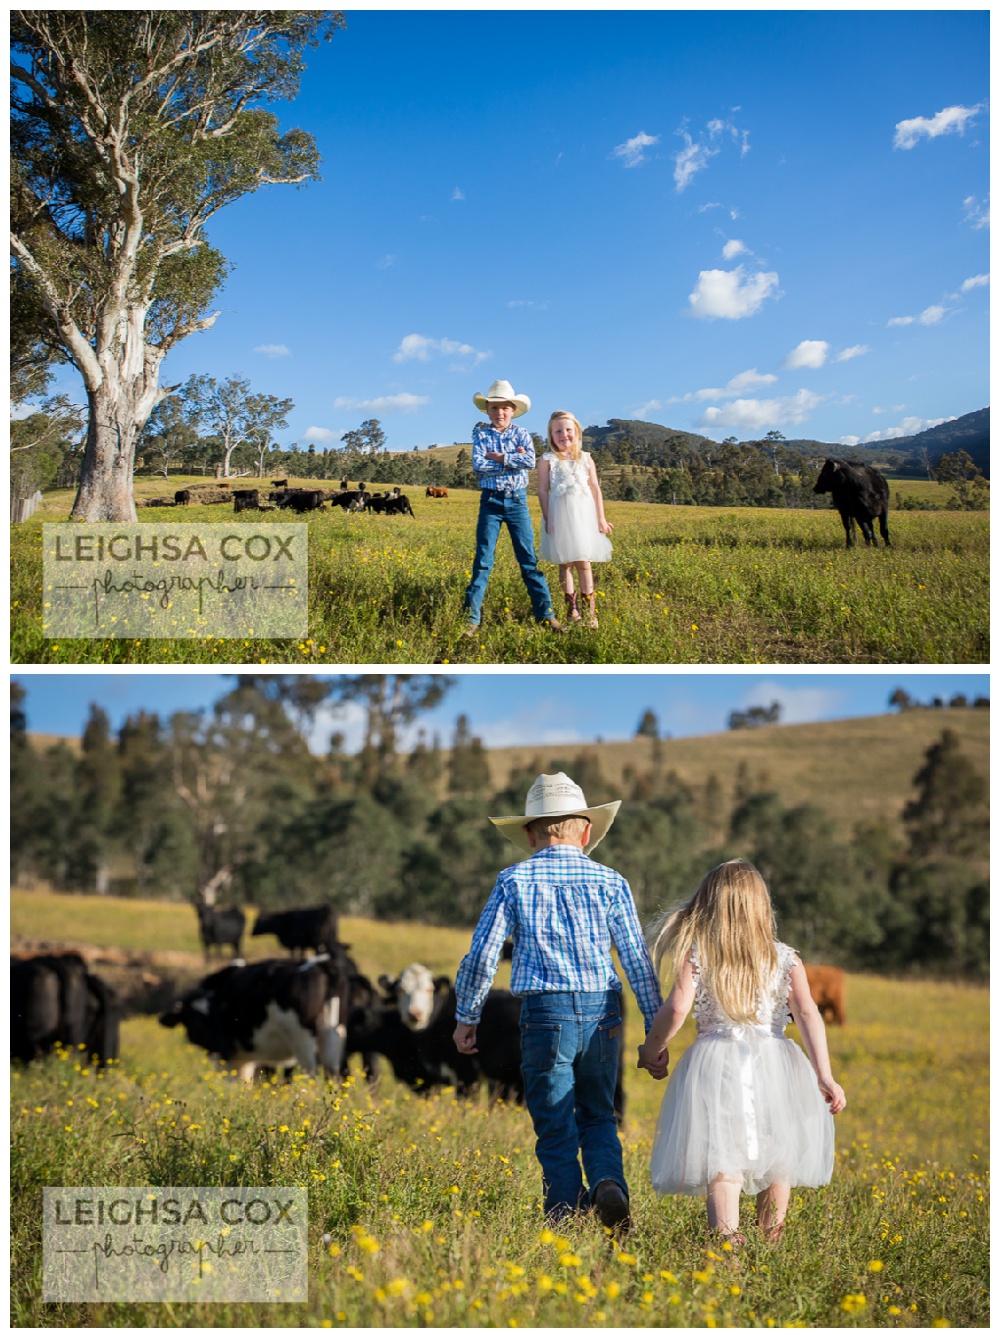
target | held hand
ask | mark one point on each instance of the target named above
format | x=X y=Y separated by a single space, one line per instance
x=464 y=1037
x=654 y=1060
x=834 y=1094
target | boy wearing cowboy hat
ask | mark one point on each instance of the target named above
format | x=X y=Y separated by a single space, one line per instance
x=564 y=912
x=502 y=455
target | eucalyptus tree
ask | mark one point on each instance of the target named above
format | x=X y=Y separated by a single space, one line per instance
x=130 y=130
x=237 y=416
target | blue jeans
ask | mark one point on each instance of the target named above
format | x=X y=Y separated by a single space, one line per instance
x=510 y=509
x=569 y=1056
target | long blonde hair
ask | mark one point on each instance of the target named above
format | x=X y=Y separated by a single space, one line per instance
x=730 y=921
x=577 y=448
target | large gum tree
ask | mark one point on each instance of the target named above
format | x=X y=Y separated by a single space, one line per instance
x=130 y=129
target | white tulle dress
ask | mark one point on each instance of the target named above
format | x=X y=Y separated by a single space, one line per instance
x=572 y=534
x=743 y=1102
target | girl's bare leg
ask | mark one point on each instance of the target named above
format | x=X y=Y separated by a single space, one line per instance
x=586 y=575
x=772 y=1205
x=723 y=1206
x=568 y=589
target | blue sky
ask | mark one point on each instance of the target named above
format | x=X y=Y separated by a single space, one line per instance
x=508 y=709
x=722 y=221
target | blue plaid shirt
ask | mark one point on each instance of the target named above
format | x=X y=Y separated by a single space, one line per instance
x=564 y=911
x=519 y=457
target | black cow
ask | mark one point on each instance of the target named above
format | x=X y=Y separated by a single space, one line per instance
x=303 y=499
x=279 y=483
x=398 y=506
x=182 y=497
x=55 y=1000
x=313 y=927
x=246 y=499
x=274 y=1013
x=219 y=926
x=859 y=493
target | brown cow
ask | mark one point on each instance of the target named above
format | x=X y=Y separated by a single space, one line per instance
x=826 y=985
x=436 y=492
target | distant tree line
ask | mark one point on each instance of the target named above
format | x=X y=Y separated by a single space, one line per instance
x=226 y=428
x=902 y=701
x=235 y=795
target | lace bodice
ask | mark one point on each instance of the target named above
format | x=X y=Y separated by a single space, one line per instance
x=772 y=1009
x=568 y=476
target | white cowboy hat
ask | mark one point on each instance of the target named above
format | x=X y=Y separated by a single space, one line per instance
x=558 y=797
x=502 y=392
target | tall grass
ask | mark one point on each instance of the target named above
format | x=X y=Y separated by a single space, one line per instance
x=426 y=1211
x=686 y=585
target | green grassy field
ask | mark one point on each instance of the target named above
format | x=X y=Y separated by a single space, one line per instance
x=431 y=1205
x=687 y=585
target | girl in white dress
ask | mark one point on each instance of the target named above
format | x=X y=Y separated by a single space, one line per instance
x=574 y=528
x=744 y=1110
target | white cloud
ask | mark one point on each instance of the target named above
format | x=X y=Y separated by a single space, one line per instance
x=855 y=351
x=695 y=155
x=849 y=441
x=274 y=350
x=691 y=160
x=737 y=385
x=457 y=194
x=909 y=427
x=643 y=412
x=761 y=415
x=402 y=403
x=631 y=152
x=949 y=121
x=977 y=281
x=731 y=294
x=810 y=353
x=751 y=379
x=321 y=434
x=526 y=302
x=977 y=212
x=929 y=316
x=734 y=248
x=386 y=262
x=423 y=349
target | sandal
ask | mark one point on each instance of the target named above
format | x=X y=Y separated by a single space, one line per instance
x=774 y=1233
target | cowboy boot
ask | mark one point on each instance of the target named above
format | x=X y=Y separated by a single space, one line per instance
x=572 y=607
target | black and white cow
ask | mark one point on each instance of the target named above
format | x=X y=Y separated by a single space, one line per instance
x=313 y=927
x=426 y=1006
x=859 y=493
x=275 y=1013
x=55 y=1000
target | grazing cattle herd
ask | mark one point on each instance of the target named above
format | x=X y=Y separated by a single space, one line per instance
x=309 y=1013
x=858 y=492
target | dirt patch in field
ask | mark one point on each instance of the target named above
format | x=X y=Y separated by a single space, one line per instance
x=145 y=982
